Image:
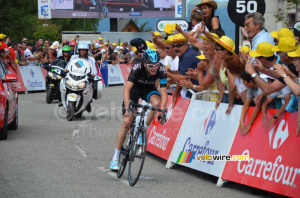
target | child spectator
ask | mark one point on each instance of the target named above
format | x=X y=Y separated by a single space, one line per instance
x=252 y=92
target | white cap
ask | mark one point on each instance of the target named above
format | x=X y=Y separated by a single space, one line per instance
x=97 y=45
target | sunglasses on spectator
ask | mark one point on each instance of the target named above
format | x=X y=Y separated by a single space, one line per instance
x=167 y=48
x=179 y=45
x=217 y=49
x=247 y=24
x=153 y=66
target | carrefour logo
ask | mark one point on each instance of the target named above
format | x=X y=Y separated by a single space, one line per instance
x=278 y=134
x=111 y=70
x=169 y=112
x=210 y=122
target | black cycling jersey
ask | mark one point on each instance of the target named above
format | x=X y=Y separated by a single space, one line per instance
x=141 y=79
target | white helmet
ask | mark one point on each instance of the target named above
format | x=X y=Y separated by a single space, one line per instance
x=83 y=46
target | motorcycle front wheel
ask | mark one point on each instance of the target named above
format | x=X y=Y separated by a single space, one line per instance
x=49 y=97
x=70 y=111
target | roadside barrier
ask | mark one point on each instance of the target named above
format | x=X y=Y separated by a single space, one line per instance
x=273 y=163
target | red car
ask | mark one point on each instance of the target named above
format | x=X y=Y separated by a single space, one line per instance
x=8 y=101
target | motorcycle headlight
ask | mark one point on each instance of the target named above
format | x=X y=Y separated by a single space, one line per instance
x=50 y=74
x=81 y=85
x=69 y=83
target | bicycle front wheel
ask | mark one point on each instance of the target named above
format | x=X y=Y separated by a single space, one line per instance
x=137 y=154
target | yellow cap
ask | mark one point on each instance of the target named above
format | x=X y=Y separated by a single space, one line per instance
x=201 y=57
x=286 y=44
x=133 y=49
x=100 y=38
x=245 y=49
x=152 y=46
x=179 y=38
x=121 y=44
x=2 y=36
x=227 y=43
x=157 y=33
x=115 y=44
x=16 y=60
x=147 y=43
x=295 y=53
x=169 y=39
x=203 y=37
x=101 y=45
x=283 y=32
x=263 y=49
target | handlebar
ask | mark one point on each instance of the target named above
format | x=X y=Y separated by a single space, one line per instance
x=147 y=107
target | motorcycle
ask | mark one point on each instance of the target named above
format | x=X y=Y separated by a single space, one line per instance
x=78 y=88
x=55 y=74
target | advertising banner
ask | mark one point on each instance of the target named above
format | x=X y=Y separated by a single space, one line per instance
x=115 y=76
x=161 y=138
x=274 y=163
x=62 y=4
x=19 y=84
x=206 y=131
x=125 y=68
x=33 y=78
x=44 y=11
x=112 y=8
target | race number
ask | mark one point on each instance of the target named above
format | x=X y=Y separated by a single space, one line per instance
x=238 y=9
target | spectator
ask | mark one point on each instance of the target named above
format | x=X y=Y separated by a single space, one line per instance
x=286 y=44
x=187 y=59
x=47 y=43
x=13 y=48
x=114 y=57
x=208 y=8
x=100 y=41
x=35 y=47
x=24 y=39
x=252 y=92
x=255 y=28
x=40 y=42
x=28 y=54
x=73 y=45
x=52 y=53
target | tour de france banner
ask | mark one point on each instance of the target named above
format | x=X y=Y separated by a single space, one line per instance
x=161 y=138
x=115 y=76
x=206 y=132
x=274 y=162
x=33 y=78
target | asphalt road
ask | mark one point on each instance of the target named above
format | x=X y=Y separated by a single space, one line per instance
x=50 y=157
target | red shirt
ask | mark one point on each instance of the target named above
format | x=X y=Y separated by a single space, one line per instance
x=3 y=45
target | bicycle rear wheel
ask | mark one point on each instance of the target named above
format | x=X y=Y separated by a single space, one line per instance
x=137 y=154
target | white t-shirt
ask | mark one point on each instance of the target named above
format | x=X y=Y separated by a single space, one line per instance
x=240 y=85
x=166 y=61
x=195 y=28
x=174 y=64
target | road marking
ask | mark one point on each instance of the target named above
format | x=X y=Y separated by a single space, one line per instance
x=82 y=123
x=75 y=133
x=103 y=113
x=81 y=150
x=26 y=101
x=115 y=108
x=146 y=177
x=113 y=175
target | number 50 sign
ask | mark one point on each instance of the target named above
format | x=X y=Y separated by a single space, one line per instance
x=238 y=9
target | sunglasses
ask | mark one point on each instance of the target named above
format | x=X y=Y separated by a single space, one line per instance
x=168 y=48
x=179 y=45
x=247 y=24
x=153 y=66
x=218 y=49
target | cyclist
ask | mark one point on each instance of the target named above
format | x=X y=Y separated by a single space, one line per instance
x=141 y=84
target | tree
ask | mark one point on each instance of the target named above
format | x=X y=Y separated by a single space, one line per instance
x=290 y=4
x=144 y=26
x=19 y=18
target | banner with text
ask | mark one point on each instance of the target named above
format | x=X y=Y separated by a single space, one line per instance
x=126 y=68
x=19 y=84
x=274 y=163
x=161 y=138
x=206 y=131
x=33 y=78
x=115 y=76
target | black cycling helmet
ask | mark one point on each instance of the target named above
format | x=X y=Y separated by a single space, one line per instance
x=151 y=56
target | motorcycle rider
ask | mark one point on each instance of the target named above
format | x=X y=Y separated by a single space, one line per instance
x=66 y=50
x=83 y=54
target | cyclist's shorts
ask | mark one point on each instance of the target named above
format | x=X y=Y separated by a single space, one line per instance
x=144 y=94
